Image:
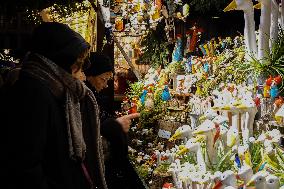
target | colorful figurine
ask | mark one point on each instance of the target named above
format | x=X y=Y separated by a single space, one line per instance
x=166 y=96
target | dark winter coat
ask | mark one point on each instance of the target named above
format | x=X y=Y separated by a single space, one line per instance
x=43 y=136
x=118 y=170
x=35 y=140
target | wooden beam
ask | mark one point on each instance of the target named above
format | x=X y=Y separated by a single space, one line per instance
x=126 y=58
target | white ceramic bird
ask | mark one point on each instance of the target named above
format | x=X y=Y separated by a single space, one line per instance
x=249 y=30
x=258 y=180
x=183 y=132
x=272 y=182
x=264 y=29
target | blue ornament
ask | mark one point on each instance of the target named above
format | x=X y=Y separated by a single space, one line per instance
x=274 y=91
x=143 y=97
x=238 y=161
x=261 y=167
x=177 y=54
x=166 y=94
x=206 y=67
x=202 y=49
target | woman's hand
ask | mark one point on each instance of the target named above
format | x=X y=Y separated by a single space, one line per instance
x=125 y=121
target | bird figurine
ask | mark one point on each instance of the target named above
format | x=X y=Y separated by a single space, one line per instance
x=258 y=180
x=238 y=161
x=269 y=81
x=272 y=182
x=277 y=80
x=184 y=131
x=143 y=97
x=274 y=91
x=166 y=96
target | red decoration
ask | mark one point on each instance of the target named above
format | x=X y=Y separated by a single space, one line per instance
x=257 y=101
x=278 y=79
x=168 y=185
x=269 y=81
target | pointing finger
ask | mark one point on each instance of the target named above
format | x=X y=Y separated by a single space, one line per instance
x=133 y=116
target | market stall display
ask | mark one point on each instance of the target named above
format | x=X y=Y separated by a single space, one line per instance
x=207 y=121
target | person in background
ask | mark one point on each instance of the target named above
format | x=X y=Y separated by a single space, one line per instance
x=43 y=132
x=119 y=171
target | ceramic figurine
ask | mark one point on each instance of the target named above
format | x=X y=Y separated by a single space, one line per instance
x=249 y=31
x=264 y=29
x=166 y=96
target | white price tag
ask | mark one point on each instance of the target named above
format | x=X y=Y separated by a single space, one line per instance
x=164 y=134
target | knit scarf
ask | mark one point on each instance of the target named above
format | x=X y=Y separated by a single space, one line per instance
x=64 y=86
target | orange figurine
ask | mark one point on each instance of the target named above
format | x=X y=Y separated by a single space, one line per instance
x=269 y=81
x=266 y=91
x=278 y=80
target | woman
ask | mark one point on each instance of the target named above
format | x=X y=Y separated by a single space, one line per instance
x=119 y=171
x=45 y=144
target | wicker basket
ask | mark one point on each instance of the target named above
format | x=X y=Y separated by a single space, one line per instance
x=170 y=126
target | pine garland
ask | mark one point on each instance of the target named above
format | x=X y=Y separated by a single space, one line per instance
x=156 y=49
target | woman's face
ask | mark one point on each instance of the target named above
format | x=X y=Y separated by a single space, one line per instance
x=76 y=68
x=100 y=81
x=78 y=73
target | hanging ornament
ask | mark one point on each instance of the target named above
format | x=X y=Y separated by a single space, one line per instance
x=185 y=10
x=119 y=23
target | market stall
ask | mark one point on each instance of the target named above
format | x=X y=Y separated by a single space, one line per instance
x=212 y=112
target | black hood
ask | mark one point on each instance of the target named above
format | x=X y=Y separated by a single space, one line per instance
x=59 y=43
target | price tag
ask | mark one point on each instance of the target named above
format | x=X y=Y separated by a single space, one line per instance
x=164 y=134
